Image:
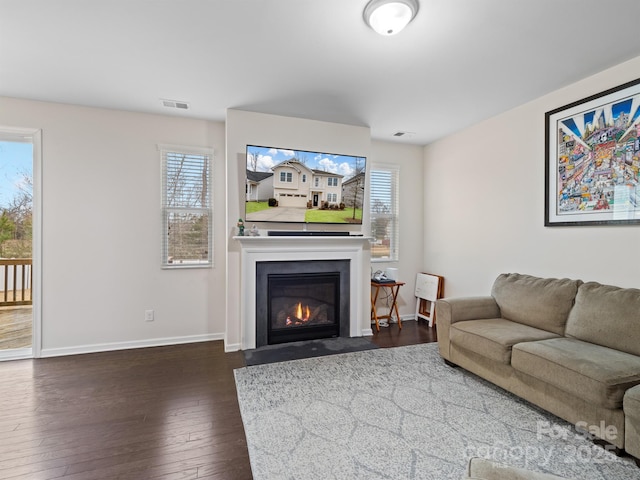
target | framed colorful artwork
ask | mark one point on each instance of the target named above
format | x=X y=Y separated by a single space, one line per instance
x=593 y=160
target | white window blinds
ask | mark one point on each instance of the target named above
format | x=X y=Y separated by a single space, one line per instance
x=186 y=207
x=384 y=209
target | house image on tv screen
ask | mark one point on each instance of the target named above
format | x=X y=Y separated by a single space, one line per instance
x=299 y=186
x=294 y=185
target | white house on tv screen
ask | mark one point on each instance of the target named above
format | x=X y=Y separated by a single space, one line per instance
x=294 y=182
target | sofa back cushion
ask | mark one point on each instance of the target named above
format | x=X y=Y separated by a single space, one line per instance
x=538 y=302
x=607 y=316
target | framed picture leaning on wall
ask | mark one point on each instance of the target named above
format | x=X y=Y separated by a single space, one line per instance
x=593 y=160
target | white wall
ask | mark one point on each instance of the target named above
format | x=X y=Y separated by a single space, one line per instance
x=484 y=204
x=472 y=206
x=408 y=159
x=101 y=229
x=283 y=132
x=101 y=220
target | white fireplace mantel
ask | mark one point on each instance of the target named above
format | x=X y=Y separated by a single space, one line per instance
x=293 y=248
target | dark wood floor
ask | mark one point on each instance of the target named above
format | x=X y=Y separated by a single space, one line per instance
x=154 y=413
x=412 y=333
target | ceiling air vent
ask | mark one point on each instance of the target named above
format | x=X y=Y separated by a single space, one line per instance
x=175 y=104
x=404 y=134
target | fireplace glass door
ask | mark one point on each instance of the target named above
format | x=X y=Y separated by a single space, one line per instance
x=303 y=306
x=302 y=300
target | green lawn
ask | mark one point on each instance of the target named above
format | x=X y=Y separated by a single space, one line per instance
x=252 y=207
x=315 y=216
x=333 y=216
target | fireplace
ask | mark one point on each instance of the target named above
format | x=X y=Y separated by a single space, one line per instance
x=301 y=300
x=350 y=250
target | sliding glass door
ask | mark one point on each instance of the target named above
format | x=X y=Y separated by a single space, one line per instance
x=18 y=154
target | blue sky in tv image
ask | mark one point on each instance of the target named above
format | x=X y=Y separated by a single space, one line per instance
x=262 y=159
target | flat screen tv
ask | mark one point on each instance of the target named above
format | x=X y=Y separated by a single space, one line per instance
x=299 y=186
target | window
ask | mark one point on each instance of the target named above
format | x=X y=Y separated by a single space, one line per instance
x=317 y=182
x=332 y=181
x=383 y=202
x=332 y=197
x=286 y=177
x=186 y=207
x=304 y=178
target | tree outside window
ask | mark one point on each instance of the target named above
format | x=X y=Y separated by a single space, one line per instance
x=186 y=198
x=384 y=210
x=16 y=199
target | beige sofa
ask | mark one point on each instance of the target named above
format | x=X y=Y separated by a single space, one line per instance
x=483 y=469
x=572 y=348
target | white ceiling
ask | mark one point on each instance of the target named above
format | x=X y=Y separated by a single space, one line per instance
x=458 y=62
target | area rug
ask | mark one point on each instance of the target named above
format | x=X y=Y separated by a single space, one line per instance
x=400 y=413
x=306 y=349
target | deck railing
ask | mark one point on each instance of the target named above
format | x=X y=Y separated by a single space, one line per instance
x=15 y=278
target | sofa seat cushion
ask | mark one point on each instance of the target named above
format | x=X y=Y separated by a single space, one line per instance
x=631 y=403
x=599 y=375
x=494 y=337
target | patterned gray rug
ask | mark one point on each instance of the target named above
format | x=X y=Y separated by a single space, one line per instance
x=400 y=413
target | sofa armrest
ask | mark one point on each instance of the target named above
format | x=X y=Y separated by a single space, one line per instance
x=466 y=308
x=451 y=310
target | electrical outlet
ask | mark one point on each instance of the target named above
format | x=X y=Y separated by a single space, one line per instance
x=148 y=316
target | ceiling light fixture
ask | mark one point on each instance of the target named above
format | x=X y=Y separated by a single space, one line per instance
x=388 y=17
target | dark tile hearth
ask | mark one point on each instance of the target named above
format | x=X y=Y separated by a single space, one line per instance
x=306 y=349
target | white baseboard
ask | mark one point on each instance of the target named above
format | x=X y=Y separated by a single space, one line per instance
x=405 y=318
x=367 y=332
x=106 y=347
x=16 y=354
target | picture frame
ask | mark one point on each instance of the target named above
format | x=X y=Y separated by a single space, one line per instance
x=592 y=160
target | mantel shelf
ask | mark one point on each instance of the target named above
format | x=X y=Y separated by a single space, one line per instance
x=312 y=238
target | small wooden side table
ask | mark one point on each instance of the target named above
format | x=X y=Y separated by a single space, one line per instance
x=375 y=291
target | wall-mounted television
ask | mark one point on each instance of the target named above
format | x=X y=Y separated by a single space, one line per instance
x=298 y=186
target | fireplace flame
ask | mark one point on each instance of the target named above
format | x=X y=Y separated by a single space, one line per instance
x=303 y=313
x=301 y=316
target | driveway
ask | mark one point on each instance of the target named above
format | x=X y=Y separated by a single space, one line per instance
x=278 y=214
